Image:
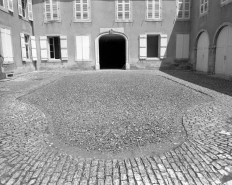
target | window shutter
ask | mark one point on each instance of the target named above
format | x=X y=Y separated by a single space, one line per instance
x=55 y=9
x=163 y=45
x=149 y=9
x=10 y=49
x=33 y=48
x=143 y=46
x=157 y=9
x=4 y=43
x=7 y=43
x=64 y=47
x=85 y=47
x=185 y=45
x=20 y=7
x=48 y=10
x=10 y=5
x=23 y=47
x=43 y=47
x=179 y=46
x=30 y=12
x=127 y=10
x=79 y=48
x=78 y=11
x=120 y=10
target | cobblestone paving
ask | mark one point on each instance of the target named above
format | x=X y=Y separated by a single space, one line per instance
x=27 y=157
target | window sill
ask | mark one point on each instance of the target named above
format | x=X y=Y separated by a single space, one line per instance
x=178 y=19
x=153 y=20
x=24 y=18
x=82 y=21
x=124 y=21
x=4 y=9
x=52 y=21
x=28 y=60
x=54 y=60
x=203 y=14
x=155 y=59
x=226 y=3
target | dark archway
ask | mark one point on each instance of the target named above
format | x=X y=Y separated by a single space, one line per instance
x=112 y=52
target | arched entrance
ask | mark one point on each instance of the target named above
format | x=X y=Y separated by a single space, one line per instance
x=112 y=52
x=223 y=62
x=202 y=52
x=111 y=49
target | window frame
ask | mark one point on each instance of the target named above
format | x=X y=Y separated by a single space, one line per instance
x=89 y=11
x=153 y=18
x=204 y=12
x=24 y=9
x=183 y=15
x=131 y=12
x=48 y=48
x=28 y=45
x=51 y=12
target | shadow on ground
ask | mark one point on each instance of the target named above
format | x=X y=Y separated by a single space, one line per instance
x=208 y=81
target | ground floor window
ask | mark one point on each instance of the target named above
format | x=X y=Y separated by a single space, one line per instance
x=54 y=47
x=152 y=46
x=27 y=46
x=182 y=46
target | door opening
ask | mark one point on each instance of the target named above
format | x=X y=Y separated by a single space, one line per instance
x=112 y=52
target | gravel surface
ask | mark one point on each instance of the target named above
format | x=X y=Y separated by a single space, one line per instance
x=113 y=111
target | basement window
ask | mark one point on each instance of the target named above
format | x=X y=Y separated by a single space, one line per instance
x=54 y=47
x=152 y=46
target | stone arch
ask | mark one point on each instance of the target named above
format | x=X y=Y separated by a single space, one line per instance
x=97 y=59
x=214 y=44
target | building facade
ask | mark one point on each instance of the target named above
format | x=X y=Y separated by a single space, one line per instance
x=116 y=34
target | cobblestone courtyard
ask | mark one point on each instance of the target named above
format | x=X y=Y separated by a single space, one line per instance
x=151 y=127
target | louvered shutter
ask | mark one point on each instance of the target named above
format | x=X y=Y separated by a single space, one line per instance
x=163 y=45
x=179 y=46
x=23 y=47
x=20 y=7
x=4 y=43
x=55 y=9
x=157 y=8
x=64 y=47
x=7 y=43
x=48 y=10
x=143 y=46
x=10 y=5
x=78 y=10
x=120 y=10
x=149 y=9
x=33 y=48
x=43 y=47
x=79 y=46
x=30 y=12
x=127 y=10
x=85 y=47
x=186 y=46
x=10 y=48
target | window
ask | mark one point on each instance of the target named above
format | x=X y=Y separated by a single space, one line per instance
x=52 y=10
x=27 y=46
x=183 y=9
x=2 y=3
x=82 y=48
x=25 y=9
x=182 y=46
x=123 y=10
x=203 y=6
x=223 y=2
x=6 y=43
x=82 y=10
x=152 y=46
x=153 y=9
x=54 y=47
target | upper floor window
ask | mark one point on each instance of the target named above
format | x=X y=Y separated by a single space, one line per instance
x=52 y=10
x=123 y=10
x=153 y=9
x=183 y=9
x=203 y=6
x=225 y=1
x=82 y=10
x=2 y=3
x=6 y=5
x=25 y=9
